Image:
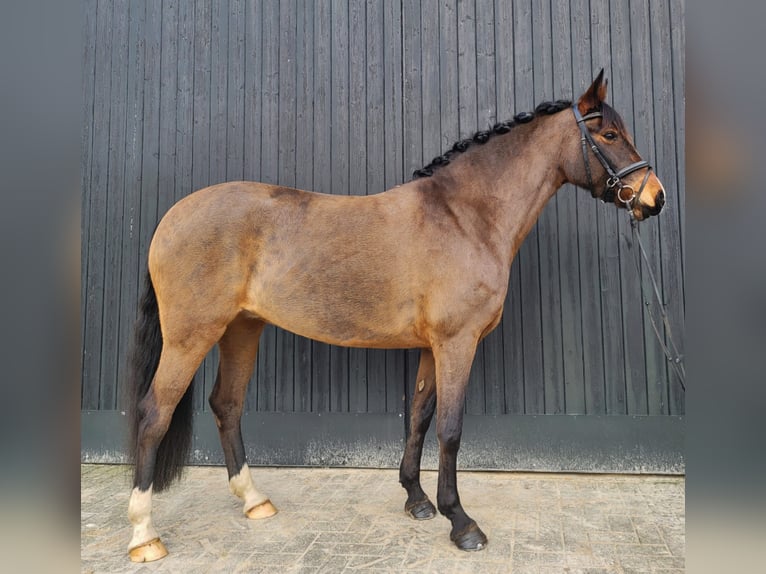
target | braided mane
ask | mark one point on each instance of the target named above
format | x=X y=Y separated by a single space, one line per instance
x=483 y=136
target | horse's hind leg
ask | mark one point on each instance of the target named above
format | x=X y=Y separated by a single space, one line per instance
x=418 y=506
x=176 y=368
x=238 y=347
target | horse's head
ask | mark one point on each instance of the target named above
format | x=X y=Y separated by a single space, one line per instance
x=609 y=165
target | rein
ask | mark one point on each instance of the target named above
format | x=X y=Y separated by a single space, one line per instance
x=615 y=186
x=674 y=358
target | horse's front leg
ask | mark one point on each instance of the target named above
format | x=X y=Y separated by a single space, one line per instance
x=453 y=365
x=238 y=347
x=418 y=506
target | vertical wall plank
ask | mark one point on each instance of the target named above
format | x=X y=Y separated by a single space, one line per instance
x=269 y=84
x=87 y=164
x=168 y=93
x=151 y=132
x=322 y=173
x=528 y=258
x=622 y=92
x=486 y=91
x=394 y=164
x=491 y=349
x=304 y=170
x=375 y=165
x=412 y=80
x=114 y=208
x=509 y=329
x=93 y=303
x=235 y=92
x=357 y=185
x=253 y=125
x=339 y=71
x=675 y=295
x=678 y=57
x=184 y=102
x=558 y=348
x=217 y=127
x=468 y=124
x=587 y=61
x=253 y=89
x=669 y=254
x=609 y=237
x=131 y=229
x=448 y=74
x=183 y=179
x=199 y=148
x=577 y=35
x=578 y=247
x=651 y=384
x=285 y=342
x=429 y=74
x=202 y=78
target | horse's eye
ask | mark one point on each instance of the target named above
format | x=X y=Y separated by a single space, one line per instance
x=611 y=136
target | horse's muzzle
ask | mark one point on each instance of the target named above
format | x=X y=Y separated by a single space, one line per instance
x=659 y=202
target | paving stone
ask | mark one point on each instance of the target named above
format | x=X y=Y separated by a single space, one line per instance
x=351 y=520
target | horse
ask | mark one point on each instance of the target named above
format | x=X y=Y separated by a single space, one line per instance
x=424 y=265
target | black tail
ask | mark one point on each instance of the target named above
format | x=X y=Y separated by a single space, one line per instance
x=174 y=449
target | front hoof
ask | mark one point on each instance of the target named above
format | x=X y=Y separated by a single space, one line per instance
x=148 y=552
x=470 y=538
x=422 y=510
x=262 y=510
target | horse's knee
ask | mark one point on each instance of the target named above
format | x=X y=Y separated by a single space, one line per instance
x=422 y=415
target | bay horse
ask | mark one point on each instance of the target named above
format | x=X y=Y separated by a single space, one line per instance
x=424 y=265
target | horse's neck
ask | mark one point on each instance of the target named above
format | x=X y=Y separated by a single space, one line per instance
x=510 y=179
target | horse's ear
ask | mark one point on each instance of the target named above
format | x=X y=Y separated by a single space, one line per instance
x=594 y=95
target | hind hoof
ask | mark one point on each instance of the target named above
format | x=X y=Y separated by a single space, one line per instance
x=262 y=510
x=470 y=539
x=423 y=510
x=148 y=552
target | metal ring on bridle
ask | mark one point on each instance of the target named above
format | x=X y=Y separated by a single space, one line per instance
x=630 y=199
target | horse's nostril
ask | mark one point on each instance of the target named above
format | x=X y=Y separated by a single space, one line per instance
x=660 y=199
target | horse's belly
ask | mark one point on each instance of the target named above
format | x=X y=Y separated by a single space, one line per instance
x=346 y=331
x=347 y=317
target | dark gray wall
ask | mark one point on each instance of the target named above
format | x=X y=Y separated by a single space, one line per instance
x=350 y=98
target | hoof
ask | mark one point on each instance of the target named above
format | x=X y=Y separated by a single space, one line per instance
x=148 y=552
x=422 y=510
x=470 y=539
x=262 y=510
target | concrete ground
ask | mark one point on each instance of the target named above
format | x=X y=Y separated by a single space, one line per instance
x=347 y=520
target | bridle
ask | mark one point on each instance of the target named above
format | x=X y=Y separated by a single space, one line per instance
x=614 y=185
